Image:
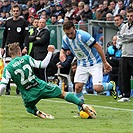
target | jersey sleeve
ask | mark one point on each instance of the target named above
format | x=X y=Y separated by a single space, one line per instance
x=87 y=39
x=6 y=76
x=34 y=63
x=65 y=41
x=41 y=64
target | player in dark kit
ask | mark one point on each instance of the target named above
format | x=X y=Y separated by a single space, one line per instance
x=16 y=30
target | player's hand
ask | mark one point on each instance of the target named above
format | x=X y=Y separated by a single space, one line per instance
x=38 y=38
x=51 y=48
x=58 y=65
x=62 y=57
x=24 y=51
x=107 y=67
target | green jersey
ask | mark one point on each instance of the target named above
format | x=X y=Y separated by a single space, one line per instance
x=20 y=71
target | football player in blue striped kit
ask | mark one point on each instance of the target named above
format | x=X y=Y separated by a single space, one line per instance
x=90 y=60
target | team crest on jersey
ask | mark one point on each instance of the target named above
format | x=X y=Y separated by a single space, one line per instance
x=80 y=55
x=26 y=28
x=18 y=29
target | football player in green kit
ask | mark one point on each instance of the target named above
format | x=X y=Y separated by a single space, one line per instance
x=31 y=87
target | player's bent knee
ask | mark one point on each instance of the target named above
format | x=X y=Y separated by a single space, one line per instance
x=98 y=88
x=62 y=94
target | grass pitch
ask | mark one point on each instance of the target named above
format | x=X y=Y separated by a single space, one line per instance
x=112 y=117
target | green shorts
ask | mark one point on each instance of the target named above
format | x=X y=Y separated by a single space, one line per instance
x=49 y=91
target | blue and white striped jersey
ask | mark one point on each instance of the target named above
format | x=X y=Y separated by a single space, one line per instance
x=82 y=48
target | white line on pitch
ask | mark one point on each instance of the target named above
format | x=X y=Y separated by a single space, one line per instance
x=105 y=107
x=93 y=105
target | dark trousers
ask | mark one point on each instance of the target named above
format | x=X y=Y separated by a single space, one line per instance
x=126 y=72
x=40 y=73
x=119 y=78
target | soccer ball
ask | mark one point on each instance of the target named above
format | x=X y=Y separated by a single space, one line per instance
x=84 y=115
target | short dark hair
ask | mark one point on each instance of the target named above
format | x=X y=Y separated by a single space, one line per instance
x=16 y=6
x=119 y=15
x=68 y=25
x=129 y=10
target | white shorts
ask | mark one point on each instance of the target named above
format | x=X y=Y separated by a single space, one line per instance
x=82 y=74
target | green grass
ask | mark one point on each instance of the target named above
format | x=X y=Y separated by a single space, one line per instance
x=112 y=117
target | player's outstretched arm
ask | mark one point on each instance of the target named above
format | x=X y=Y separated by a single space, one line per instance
x=46 y=60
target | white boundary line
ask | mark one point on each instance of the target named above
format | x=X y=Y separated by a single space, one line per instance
x=105 y=107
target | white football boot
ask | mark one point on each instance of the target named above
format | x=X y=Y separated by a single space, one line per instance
x=90 y=110
x=44 y=115
x=124 y=99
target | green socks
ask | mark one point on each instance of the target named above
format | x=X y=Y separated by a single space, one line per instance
x=73 y=99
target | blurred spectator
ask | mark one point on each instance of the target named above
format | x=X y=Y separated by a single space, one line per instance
x=46 y=17
x=34 y=26
x=82 y=23
x=127 y=2
x=41 y=3
x=123 y=13
x=121 y=6
x=61 y=21
x=109 y=17
x=105 y=4
x=85 y=1
x=3 y=14
x=8 y=15
x=131 y=4
x=66 y=65
x=2 y=23
x=76 y=19
x=22 y=1
x=36 y=5
x=81 y=8
x=100 y=11
x=1 y=4
x=113 y=56
x=125 y=40
x=32 y=15
x=119 y=22
x=64 y=2
x=14 y=2
x=114 y=7
x=94 y=8
x=59 y=17
x=75 y=8
x=59 y=10
x=25 y=11
x=87 y=12
x=29 y=4
x=46 y=5
x=66 y=19
x=69 y=10
x=40 y=39
x=52 y=9
x=106 y=9
x=6 y=6
x=54 y=20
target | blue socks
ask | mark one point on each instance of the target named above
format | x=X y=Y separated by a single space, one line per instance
x=81 y=97
x=107 y=86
